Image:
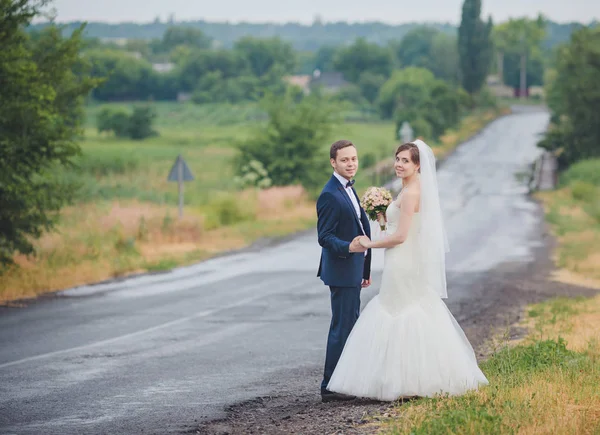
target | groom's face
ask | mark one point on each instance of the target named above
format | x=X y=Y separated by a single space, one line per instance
x=346 y=162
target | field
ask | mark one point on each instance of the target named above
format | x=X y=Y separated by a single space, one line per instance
x=125 y=217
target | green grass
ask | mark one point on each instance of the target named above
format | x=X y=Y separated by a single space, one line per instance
x=206 y=136
x=587 y=171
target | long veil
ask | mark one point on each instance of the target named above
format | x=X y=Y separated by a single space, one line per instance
x=432 y=237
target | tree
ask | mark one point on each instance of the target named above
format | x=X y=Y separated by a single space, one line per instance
x=263 y=54
x=518 y=46
x=324 y=58
x=369 y=84
x=176 y=36
x=361 y=57
x=137 y=125
x=415 y=48
x=414 y=95
x=291 y=147
x=201 y=62
x=474 y=46
x=574 y=98
x=127 y=78
x=444 y=50
x=427 y=47
x=42 y=91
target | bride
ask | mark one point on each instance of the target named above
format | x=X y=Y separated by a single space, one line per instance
x=406 y=342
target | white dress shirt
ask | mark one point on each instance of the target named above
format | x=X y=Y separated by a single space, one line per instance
x=352 y=196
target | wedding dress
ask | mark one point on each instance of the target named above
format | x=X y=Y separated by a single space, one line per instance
x=406 y=342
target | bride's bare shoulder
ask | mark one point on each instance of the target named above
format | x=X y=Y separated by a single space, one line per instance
x=410 y=199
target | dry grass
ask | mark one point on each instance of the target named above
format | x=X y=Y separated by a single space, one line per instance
x=95 y=242
x=578 y=252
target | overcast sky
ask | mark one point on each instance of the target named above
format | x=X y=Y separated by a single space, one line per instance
x=388 y=11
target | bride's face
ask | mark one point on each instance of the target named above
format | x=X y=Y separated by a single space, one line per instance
x=404 y=166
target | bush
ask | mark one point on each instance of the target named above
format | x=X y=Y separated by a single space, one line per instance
x=253 y=174
x=290 y=147
x=586 y=170
x=583 y=191
x=367 y=160
x=140 y=123
x=137 y=126
x=416 y=96
x=227 y=210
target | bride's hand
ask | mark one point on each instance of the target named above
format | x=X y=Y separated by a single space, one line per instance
x=365 y=242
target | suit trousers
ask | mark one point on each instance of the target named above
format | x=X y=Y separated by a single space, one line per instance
x=345 y=309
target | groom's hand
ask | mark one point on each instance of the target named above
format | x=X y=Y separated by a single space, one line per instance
x=355 y=245
x=366 y=283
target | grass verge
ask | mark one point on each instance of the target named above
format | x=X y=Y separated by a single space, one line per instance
x=573 y=213
x=547 y=383
x=105 y=239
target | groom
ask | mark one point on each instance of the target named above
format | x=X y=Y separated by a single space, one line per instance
x=345 y=266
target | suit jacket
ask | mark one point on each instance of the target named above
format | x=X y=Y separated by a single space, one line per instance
x=337 y=226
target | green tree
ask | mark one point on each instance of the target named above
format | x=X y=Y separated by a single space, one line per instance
x=370 y=84
x=444 y=50
x=361 y=57
x=228 y=63
x=474 y=46
x=574 y=98
x=519 y=52
x=264 y=54
x=141 y=121
x=324 y=58
x=137 y=125
x=176 y=36
x=291 y=147
x=127 y=78
x=115 y=121
x=414 y=95
x=43 y=87
x=428 y=47
x=415 y=48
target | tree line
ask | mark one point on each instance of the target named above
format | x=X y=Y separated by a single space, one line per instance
x=303 y=37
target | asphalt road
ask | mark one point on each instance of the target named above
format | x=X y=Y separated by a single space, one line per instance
x=160 y=353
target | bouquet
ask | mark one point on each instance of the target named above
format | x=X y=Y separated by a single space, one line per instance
x=375 y=201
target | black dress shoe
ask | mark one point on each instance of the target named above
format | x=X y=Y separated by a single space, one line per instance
x=330 y=396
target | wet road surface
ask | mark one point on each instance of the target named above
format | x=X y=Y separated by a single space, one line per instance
x=161 y=353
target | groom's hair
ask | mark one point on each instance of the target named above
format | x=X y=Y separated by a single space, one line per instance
x=336 y=146
x=414 y=151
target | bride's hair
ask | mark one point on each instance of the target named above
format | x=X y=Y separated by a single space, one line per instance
x=414 y=152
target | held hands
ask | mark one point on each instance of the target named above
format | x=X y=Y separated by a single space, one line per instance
x=365 y=242
x=360 y=244
x=355 y=245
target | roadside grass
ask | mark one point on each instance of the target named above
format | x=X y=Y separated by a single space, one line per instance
x=104 y=239
x=548 y=382
x=125 y=217
x=573 y=213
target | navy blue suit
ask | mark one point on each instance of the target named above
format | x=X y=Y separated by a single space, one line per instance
x=337 y=225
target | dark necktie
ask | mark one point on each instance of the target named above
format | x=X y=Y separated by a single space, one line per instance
x=350 y=183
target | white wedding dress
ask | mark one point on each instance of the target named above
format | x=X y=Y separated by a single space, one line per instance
x=405 y=342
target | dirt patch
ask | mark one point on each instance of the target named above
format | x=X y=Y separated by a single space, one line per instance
x=495 y=306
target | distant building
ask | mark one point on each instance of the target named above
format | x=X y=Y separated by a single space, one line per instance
x=163 y=67
x=117 y=41
x=329 y=82
x=182 y=97
x=497 y=88
x=302 y=81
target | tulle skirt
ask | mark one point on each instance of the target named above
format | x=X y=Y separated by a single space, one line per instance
x=419 y=350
